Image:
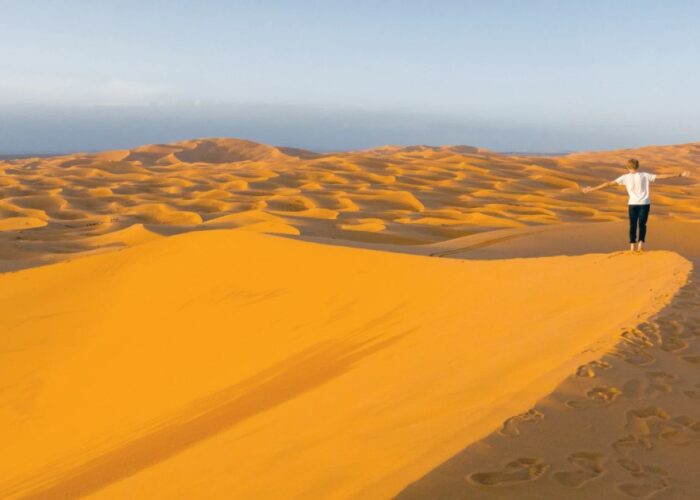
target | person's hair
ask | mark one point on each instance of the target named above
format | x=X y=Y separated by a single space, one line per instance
x=633 y=164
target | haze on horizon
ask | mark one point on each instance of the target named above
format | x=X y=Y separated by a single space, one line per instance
x=540 y=76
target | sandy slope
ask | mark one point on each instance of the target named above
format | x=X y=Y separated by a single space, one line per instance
x=235 y=365
x=231 y=364
x=626 y=425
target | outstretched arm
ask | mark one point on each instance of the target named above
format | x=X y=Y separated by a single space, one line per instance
x=685 y=173
x=588 y=189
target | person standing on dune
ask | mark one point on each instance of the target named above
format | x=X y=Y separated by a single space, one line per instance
x=637 y=184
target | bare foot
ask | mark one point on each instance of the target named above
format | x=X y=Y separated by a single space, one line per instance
x=632 y=249
x=640 y=246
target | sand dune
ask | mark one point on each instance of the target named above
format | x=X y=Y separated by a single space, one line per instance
x=218 y=363
x=405 y=195
x=625 y=425
x=230 y=351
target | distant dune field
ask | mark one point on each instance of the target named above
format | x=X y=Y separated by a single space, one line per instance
x=406 y=195
x=421 y=322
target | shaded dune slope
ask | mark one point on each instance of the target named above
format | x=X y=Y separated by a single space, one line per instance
x=623 y=426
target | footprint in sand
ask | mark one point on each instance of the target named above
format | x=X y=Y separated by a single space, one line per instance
x=589 y=369
x=650 y=329
x=693 y=394
x=673 y=344
x=694 y=359
x=672 y=332
x=588 y=466
x=634 y=355
x=656 y=383
x=649 y=479
x=511 y=427
x=693 y=327
x=521 y=469
x=637 y=338
x=598 y=396
x=645 y=414
x=671 y=321
x=653 y=424
x=630 y=442
x=659 y=383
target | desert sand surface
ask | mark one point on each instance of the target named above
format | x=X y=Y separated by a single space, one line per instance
x=622 y=426
x=473 y=330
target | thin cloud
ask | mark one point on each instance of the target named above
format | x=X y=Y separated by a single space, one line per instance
x=62 y=91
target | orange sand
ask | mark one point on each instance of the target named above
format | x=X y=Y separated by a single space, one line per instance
x=232 y=364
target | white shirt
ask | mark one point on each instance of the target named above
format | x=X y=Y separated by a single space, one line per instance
x=637 y=184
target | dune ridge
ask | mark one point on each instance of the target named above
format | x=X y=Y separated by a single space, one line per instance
x=625 y=425
x=221 y=344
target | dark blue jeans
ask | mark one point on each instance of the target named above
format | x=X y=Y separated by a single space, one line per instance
x=638 y=216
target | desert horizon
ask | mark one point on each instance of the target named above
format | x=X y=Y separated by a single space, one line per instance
x=29 y=153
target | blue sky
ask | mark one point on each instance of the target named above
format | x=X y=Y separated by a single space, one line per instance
x=511 y=75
